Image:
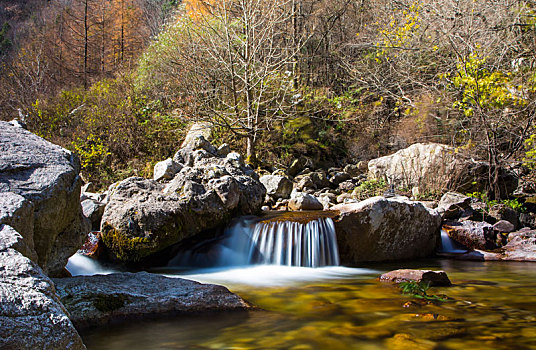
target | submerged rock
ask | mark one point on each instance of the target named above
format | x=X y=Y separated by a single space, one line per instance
x=144 y=216
x=434 y=278
x=31 y=315
x=382 y=229
x=102 y=299
x=47 y=211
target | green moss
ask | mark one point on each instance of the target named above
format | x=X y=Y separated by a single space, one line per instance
x=108 y=303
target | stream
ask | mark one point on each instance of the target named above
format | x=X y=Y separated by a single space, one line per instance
x=492 y=305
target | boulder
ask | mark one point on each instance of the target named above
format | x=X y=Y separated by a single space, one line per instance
x=277 y=186
x=503 y=212
x=472 y=234
x=452 y=204
x=31 y=316
x=337 y=177
x=503 y=226
x=436 y=167
x=101 y=299
x=382 y=229
x=93 y=210
x=197 y=129
x=304 y=201
x=521 y=246
x=527 y=220
x=143 y=216
x=166 y=169
x=434 y=278
x=46 y=176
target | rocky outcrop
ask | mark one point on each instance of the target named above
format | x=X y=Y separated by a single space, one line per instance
x=144 y=217
x=166 y=169
x=433 y=278
x=31 y=315
x=40 y=191
x=101 y=299
x=381 y=229
x=436 y=167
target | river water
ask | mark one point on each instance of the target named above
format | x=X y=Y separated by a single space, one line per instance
x=492 y=305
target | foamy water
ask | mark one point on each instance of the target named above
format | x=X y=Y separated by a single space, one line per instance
x=272 y=275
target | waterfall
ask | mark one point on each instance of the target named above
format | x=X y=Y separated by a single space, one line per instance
x=303 y=241
x=448 y=245
x=310 y=244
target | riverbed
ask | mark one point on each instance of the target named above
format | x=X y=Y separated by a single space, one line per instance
x=491 y=305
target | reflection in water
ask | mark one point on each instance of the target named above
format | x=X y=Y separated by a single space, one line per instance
x=493 y=306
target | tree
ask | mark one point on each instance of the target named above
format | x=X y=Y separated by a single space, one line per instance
x=232 y=61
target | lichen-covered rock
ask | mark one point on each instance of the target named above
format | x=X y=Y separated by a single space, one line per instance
x=100 y=299
x=46 y=176
x=382 y=229
x=31 y=315
x=434 y=278
x=277 y=186
x=144 y=217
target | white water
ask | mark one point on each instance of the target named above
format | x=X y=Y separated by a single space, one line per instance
x=284 y=243
x=272 y=275
x=448 y=245
x=80 y=265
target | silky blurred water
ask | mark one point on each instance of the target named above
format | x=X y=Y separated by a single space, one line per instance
x=492 y=306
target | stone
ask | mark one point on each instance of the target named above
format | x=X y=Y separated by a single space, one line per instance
x=277 y=186
x=143 y=217
x=452 y=204
x=339 y=177
x=304 y=201
x=503 y=212
x=353 y=170
x=347 y=186
x=383 y=229
x=527 y=220
x=436 y=167
x=472 y=234
x=298 y=165
x=93 y=210
x=304 y=182
x=166 y=169
x=31 y=315
x=503 y=226
x=434 y=278
x=224 y=150
x=203 y=129
x=102 y=299
x=18 y=213
x=345 y=198
x=47 y=177
x=521 y=246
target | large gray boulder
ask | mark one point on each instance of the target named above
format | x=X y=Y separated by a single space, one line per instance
x=436 y=167
x=144 y=216
x=101 y=299
x=42 y=184
x=31 y=315
x=383 y=229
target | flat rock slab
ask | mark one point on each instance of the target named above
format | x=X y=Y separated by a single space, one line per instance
x=102 y=299
x=435 y=278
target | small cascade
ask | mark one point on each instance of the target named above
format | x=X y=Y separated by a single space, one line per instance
x=303 y=241
x=310 y=244
x=448 y=245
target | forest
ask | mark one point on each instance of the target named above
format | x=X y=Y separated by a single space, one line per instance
x=340 y=81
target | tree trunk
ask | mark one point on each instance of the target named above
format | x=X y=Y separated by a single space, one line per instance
x=251 y=157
